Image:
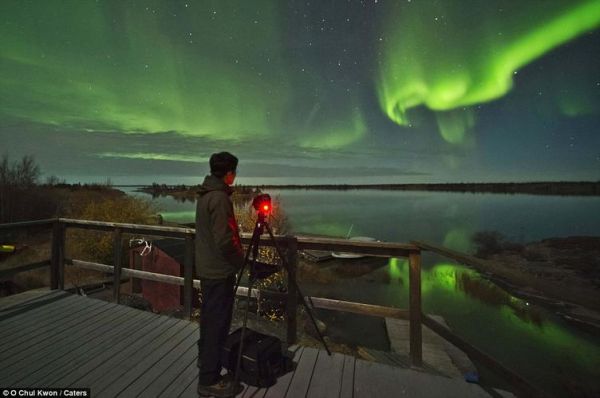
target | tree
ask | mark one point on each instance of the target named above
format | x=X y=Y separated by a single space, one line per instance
x=15 y=177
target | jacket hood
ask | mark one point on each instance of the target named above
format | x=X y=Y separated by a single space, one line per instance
x=212 y=183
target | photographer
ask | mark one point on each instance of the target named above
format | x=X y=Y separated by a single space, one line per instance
x=219 y=256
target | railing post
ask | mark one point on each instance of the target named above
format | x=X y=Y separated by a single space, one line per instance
x=61 y=255
x=55 y=257
x=188 y=276
x=292 y=296
x=117 y=254
x=414 y=261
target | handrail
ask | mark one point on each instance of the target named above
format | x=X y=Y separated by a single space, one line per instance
x=27 y=224
x=383 y=249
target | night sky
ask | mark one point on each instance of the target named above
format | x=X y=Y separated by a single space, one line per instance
x=330 y=91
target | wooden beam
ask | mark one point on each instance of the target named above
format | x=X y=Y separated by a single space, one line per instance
x=150 y=276
x=358 y=308
x=318 y=302
x=188 y=274
x=416 y=356
x=54 y=256
x=152 y=230
x=7 y=273
x=292 y=293
x=382 y=249
x=117 y=254
x=27 y=224
x=61 y=255
x=458 y=256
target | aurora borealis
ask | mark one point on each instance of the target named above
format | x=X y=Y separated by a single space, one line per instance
x=393 y=91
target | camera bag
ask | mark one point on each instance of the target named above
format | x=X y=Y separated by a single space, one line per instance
x=262 y=358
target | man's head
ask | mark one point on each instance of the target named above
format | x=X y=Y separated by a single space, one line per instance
x=223 y=165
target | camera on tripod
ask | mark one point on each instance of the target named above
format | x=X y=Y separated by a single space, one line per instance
x=262 y=204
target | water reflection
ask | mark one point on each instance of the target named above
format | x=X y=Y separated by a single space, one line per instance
x=454 y=278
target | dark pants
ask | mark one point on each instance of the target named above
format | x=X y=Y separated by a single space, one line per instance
x=215 y=320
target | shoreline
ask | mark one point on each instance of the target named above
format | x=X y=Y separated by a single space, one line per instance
x=560 y=188
x=560 y=274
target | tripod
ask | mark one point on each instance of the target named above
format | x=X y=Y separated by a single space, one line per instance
x=259 y=229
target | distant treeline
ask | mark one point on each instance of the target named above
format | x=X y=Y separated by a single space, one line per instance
x=536 y=188
x=576 y=188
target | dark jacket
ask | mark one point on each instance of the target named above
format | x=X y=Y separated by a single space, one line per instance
x=219 y=251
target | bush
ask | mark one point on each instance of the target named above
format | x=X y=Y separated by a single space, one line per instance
x=98 y=246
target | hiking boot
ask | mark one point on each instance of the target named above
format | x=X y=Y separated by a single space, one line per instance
x=224 y=388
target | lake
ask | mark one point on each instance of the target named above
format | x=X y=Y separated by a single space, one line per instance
x=528 y=339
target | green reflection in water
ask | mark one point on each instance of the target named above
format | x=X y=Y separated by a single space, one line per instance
x=529 y=339
x=394 y=268
x=458 y=239
x=185 y=216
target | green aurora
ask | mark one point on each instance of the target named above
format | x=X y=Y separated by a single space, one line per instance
x=393 y=85
x=430 y=59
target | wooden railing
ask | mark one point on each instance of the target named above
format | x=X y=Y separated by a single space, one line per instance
x=291 y=245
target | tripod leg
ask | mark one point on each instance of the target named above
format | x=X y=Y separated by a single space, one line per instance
x=253 y=243
x=253 y=247
x=238 y=363
x=302 y=299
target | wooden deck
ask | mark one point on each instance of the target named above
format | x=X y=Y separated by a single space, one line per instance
x=56 y=339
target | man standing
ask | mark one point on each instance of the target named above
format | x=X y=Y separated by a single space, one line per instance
x=219 y=256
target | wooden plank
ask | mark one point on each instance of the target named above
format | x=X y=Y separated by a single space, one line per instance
x=304 y=371
x=120 y=360
x=374 y=380
x=173 y=374
x=34 y=352
x=96 y=365
x=252 y=392
x=177 y=386
x=87 y=351
x=58 y=352
x=21 y=316
x=164 y=363
x=327 y=376
x=27 y=319
x=36 y=308
x=130 y=367
x=378 y=380
x=191 y=391
x=283 y=383
x=18 y=344
x=347 y=380
x=15 y=301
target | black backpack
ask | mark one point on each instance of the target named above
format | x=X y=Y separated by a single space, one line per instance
x=263 y=359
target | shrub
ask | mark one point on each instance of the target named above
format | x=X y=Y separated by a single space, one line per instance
x=98 y=246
